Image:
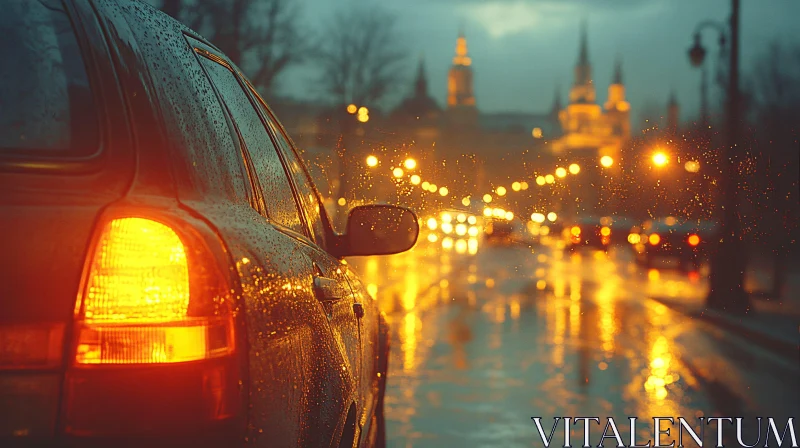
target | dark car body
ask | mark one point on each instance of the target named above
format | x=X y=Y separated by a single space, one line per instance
x=588 y=231
x=169 y=276
x=500 y=231
x=686 y=241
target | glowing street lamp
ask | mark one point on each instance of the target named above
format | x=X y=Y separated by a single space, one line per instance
x=415 y=180
x=487 y=198
x=692 y=166
x=516 y=186
x=660 y=159
x=501 y=191
x=561 y=172
x=606 y=161
x=351 y=108
x=574 y=168
x=410 y=164
x=372 y=161
x=549 y=179
x=540 y=180
x=443 y=191
x=397 y=172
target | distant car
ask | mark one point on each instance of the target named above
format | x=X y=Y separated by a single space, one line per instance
x=499 y=231
x=686 y=241
x=170 y=277
x=454 y=230
x=588 y=231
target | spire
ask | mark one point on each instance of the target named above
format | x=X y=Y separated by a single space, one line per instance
x=461 y=57
x=421 y=84
x=673 y=100
x=617 y=72
x=583 y=55
x=556 y=107
x=583 y=70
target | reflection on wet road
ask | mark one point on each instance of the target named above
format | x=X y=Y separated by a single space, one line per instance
x=483 y=343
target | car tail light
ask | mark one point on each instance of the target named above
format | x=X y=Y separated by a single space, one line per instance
x=605 y=231
x=154 y=334
x=654 y=239
x=135 y=307
x=694 y=240
x=575 y=231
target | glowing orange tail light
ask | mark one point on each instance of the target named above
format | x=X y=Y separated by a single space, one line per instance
x=605 y=231
x=576 y=231
x=654 y=239
x=694 y=240
x=135 y=306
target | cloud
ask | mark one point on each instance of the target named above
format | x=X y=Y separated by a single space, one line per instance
x=501 y=18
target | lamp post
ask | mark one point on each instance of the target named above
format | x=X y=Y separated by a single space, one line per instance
x=726 y=289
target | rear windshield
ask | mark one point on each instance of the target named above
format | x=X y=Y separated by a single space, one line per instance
x=46 y=106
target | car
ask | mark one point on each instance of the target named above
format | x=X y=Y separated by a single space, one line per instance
x=503 y=232
x=687 y=241
x=588 y=231
x=454 y=230
x=169 y=275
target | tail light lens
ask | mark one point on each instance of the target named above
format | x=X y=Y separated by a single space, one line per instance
x=694 y=240
x=154 y=334
x=654 y=239
x=135 y=308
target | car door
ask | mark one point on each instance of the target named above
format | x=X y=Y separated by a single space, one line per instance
x=330 y=365
x=346 y=311
x=364 y=308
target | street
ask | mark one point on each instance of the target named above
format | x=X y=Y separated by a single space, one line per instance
x=483 y=343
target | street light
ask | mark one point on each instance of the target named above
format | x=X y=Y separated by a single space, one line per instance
x=372 y=161
x=561 y=172
x=660 y=159
x=410 y=164
x=726 y=278
x=692 y=166
x=574 y=168
x=397 y=172
x=606 y=161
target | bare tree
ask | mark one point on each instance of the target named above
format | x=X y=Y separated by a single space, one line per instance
x=360 y=56
x=775 y=96
x=262 y=37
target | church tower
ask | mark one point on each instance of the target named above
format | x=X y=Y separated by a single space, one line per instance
x=673 y=112
x=459 y=79
x=460 y=96
x=583 y=89
x=617 y=108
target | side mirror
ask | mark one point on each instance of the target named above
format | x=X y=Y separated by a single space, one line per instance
x=379 y=230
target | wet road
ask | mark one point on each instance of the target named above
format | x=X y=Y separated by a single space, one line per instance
x=483 y=343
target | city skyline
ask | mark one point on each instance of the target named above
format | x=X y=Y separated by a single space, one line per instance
x=523 y=51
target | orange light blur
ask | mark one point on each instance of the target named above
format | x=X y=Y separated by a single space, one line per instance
x=694 y=240
x=135 y=307
x=576 y=231
x=654 y=239
x=605 y=231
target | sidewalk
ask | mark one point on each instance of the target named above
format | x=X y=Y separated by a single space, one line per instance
x=772 y=325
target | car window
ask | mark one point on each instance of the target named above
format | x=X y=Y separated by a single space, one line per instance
x=305 y=188
x=46 y=105
x=278 y=193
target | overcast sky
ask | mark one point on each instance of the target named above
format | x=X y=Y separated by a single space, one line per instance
x=522 y=49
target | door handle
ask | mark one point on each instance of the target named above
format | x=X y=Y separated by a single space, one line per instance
x=358 y=310
x=328 y=290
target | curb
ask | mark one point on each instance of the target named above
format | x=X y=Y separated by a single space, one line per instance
x=776 y=345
